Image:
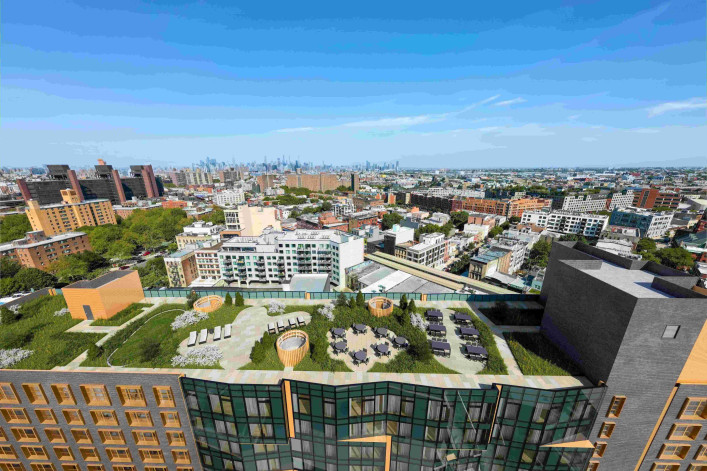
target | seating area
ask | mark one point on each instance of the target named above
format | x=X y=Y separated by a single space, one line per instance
x=441 y=348
x=202 y=336
x=355 y=349
x=434 y=316
x=283 y=325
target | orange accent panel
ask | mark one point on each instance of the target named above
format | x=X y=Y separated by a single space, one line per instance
x=694 y=371
x=377 y=439
x=288 y=409
x=575 y=444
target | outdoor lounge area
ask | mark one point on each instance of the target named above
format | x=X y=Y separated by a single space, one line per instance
x=357 y=344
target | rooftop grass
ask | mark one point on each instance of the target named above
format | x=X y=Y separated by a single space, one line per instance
x=127 y=348
x=123 y=316
x=536 y=355
x=502 y=314
x=40 y=331
x=495 y=364
x=417 y=359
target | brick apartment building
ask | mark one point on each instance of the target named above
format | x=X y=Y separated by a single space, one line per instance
x=36 y=250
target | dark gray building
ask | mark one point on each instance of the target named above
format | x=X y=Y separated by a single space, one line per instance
x=634 y=326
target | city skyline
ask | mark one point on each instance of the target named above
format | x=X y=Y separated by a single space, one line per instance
x=568 y=86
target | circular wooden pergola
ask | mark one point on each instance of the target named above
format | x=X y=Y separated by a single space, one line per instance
x=380 y=306
x=292 y=346
x=208 y=303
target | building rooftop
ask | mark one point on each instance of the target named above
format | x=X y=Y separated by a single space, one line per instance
x=21 y=243
x=100 y=281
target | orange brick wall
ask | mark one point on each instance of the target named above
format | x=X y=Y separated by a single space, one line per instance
x=106 y=300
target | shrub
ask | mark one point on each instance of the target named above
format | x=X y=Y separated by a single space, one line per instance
x=360 y=301
x=228 y=301
x=257 y=355
x=188 y=318
x=276 y=307
x=208 y=355
x=342 y=300
x=14 y=340
x=327 y=311
x=411 y=306
x=149 y=349
x=403 y=303
x=191 y=299
x=417 y=321
x=13 y=355
x=8 y=316
x=94 y=351
x=239 y=300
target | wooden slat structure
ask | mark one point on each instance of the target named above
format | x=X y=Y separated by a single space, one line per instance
x=380 y=306
x=290 y=357
x=208 y=303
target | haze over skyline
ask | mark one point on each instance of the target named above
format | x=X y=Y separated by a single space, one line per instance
x=601 y=83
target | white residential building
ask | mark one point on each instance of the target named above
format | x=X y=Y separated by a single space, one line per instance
x=198 y=177
x=274 y=256
x=567 y=222
x=649 y=224
x=518 y=243
x=199 y=233
x=229 y=198
x=207 y=262
x=251 y=220
x=580 y=203
x=620 y=200
x=343 y=207
x=431 y=251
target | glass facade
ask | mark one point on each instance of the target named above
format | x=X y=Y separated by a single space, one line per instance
x=388 y=426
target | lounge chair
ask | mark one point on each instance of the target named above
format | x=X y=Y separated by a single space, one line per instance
x=192 y=339
x=203 y=335
x=300 y=320
x=280 y=326
x=271 y=328
x=217 y=333
x=227 y=331
x=292 y=322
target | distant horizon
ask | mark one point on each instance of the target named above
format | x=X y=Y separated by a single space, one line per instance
x=546 y=85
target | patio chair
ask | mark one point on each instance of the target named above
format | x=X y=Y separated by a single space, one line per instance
x=227 y=331
x=192 y=339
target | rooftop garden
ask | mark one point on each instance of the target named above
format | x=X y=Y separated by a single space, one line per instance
x=495 y=364
x=34 y=335
x=123 y=316
x=152 y=342
x=501 y=313
x=536 y=355
x=417 y=358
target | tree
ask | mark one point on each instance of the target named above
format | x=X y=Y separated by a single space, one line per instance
x=496 y=230
x=342 y=300
x=539 y=254
x=646 y=245
x=78 y=266
x=216 y=216
x=239 y=300
x=360 y=302
x=149 y=349
x=191 y=299
x=8 y=267
x=9 y=286
x=7 y=316
x=459 y=218
x=228 y=301
x=154 y=273
x=14 y=226
x=514 y=219
x=390 y=219
x=572 y=238
x=34 y=279
x=411 y=306
x=343 y=188
x=675 y=257
x=326 y=206
x=403 y=303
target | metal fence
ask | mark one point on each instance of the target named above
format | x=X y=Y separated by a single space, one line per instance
x=184 y=292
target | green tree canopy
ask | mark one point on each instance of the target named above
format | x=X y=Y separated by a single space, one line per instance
x=390 y=219
x=34 y=279
x=14 y=226
x=675 y=257
x=154 y=273
x=8 y=267
x=459 y=218
x=646 y=245
x=539 y=254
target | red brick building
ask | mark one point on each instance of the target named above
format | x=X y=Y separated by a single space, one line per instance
x=37 y=250
x=650 y=198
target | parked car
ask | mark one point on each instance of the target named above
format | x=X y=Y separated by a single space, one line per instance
x=146 y=253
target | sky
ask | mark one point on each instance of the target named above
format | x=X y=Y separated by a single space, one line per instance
x=431 y=84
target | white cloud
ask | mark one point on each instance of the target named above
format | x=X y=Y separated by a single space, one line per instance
x=395 y=122
x=513 y=101
x=304 y=129
x=691 y=104
x=574 y=117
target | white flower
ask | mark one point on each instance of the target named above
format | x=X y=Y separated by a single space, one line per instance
x=188 y=318
x=327 y=311
x=62 y=312
x=417 y=321
x=208 y=355
x=276 y=307
x=9 y=357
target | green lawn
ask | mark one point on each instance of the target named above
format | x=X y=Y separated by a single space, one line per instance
x=404 y=363
x=45 y=334
x=129 y=344
x=495 y=364
x=123 y=316
x=309 y=308
x=536 y=355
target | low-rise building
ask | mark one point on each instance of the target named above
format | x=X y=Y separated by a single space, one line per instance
x=395 y=236
x=250 y=221
x=36 y=250
x=488 y=262
x=274 y=256
x=181 y=267
x=649 y=198
x=695 y=243
x=69 y=215
x=650 y=224
x=105 y=296
x=431 y=251
x=567 y=222
x=199 y=233
x=229 y=197
x=362 y=218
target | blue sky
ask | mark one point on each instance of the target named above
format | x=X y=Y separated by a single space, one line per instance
x=434 y=84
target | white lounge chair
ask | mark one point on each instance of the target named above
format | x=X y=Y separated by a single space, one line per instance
x=192 y=339
x=271 y=328
x=217 y=333
x=292 y=322
x=280 y=326
x=227 y=331
x=203 y=335
x=300 y=320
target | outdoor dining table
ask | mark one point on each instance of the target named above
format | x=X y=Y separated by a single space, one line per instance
x=462 y=318
x=340 y=346
x=338 y=332
x=443 y=347
x=437 y=328
x=381 y=348
x=382 y=332
x=468 y=332
x=359 y=327
x=361 y=355
x=400 y=341
x=475 y=350
x=433 y=314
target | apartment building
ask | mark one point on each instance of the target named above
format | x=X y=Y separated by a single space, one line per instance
x=362 y=218
x=519 y=244
x=395 y=236
x=229 y=198
x=489 y=262
x=265 y=181
x=580 y=203
x=567 y=222
x=198 y=177
x=618 y=200
x=429 y=202
x=431 y=251
x=649 y=198
x=314 y=182
x=199 y=233
x=36 y=250
x=649 y=224
x=274 y=257
x=505 y=207
x=69 y=215
x=640 y=329
x=250 y=221
x=230 y=175
x=107 y=184
x=342 y=208
x=181 y=267
x=207 y=263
